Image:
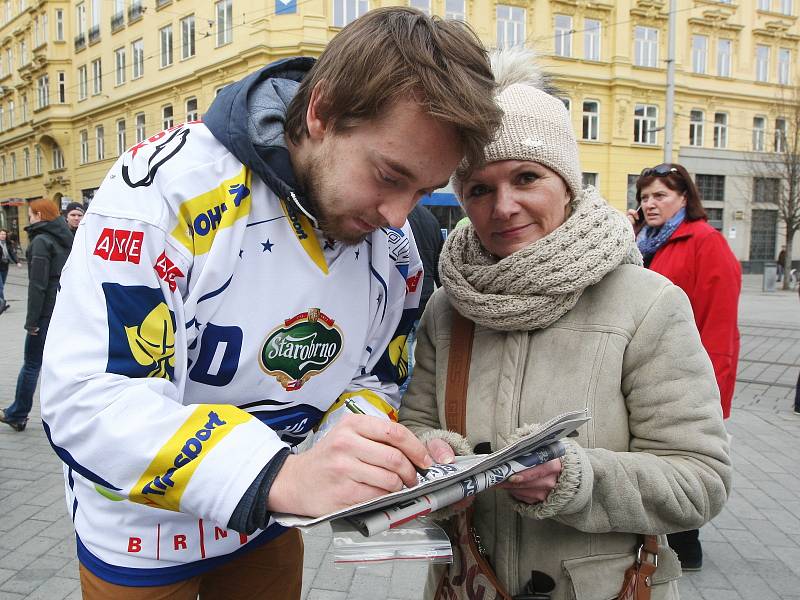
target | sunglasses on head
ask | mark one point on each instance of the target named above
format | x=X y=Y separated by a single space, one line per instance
x=661 y=170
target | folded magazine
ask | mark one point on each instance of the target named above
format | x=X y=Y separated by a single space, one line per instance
x=446 y=484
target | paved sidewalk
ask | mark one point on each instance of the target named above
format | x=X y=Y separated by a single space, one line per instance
x=752 y=549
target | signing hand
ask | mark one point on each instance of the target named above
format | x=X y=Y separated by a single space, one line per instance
x=535 y=484
x=361 y=458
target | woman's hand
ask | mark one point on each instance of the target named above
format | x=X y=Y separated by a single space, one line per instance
x=636 y=221
x=440 y=451
x=535 y=484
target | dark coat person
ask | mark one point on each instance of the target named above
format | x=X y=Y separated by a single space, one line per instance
x=428 y=235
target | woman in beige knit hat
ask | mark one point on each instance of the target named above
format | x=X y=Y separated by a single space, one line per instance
x=566 y=319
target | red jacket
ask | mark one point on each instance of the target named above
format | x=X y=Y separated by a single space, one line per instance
x=697 y=259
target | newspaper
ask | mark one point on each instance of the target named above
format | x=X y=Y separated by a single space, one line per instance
x=441 y=476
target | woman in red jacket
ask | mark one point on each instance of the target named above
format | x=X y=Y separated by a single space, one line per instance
x=676 y=240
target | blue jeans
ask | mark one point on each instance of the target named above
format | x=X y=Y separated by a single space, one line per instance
x=28 y=374
x=3 y=275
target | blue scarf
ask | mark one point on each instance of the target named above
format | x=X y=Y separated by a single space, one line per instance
x=650 y=239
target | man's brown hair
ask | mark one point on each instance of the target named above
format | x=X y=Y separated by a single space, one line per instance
x=395 y=53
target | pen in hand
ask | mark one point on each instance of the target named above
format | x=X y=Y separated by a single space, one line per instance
x=357 y=410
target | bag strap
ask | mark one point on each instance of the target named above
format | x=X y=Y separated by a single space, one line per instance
x=455 y=397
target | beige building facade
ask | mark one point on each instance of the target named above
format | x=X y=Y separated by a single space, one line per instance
x=80 y=82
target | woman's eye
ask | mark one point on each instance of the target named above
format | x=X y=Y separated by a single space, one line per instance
x=478 y=190
x=528 y=177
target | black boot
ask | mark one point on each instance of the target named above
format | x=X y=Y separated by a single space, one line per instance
x=687 y=546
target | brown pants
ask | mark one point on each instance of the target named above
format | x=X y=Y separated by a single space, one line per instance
x=273 y=571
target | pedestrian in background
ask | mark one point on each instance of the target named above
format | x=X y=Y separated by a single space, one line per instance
x=7 y=256
x=50 y=242
x=780 y=260
x=73 y=214
x=565 y=318
x=677 y=241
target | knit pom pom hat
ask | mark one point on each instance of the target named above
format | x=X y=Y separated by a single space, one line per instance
x=536 y=125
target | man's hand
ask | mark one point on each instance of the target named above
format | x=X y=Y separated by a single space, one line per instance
x=32 y=330
x=361 y=458
x=535 y=484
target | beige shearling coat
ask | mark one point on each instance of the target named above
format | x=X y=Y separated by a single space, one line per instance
x=653 y=459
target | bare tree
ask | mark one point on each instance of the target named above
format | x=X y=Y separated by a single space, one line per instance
x=783 y=164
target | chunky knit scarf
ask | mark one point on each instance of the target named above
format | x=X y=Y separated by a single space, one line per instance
x=535 y=286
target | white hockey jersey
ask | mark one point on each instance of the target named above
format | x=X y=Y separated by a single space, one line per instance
x=201 y=327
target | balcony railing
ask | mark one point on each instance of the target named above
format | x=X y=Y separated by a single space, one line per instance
x=94 y=34
x=135 y=12
x=118 y=21
x=80 y=42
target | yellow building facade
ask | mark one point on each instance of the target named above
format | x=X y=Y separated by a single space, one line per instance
x=82 y=81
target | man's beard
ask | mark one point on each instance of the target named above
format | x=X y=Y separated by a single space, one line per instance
x=330 y=224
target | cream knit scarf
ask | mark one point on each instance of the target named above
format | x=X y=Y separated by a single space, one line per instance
x=534 y=287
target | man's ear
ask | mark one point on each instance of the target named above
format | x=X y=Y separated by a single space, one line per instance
x=314 y=121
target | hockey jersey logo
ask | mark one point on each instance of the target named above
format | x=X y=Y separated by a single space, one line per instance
x=202 y=217
x=141 y=332
x=162 y=152
x=302 y=347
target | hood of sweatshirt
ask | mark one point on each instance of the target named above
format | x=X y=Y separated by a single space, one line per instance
x=248 y=117
x=57 y=228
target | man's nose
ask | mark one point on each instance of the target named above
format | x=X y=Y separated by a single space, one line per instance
x=395 y=210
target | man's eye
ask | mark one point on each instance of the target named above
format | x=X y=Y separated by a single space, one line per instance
x=387 y=179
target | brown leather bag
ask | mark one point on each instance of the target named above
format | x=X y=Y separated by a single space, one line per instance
x=639 y=577
x=470 y=576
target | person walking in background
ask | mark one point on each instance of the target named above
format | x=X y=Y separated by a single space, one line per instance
x=7 y=256
x=676 y=240
x=73 y=214
x=50 y=243
x=780 y=260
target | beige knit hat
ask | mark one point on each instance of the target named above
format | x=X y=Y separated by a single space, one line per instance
x=536 y=125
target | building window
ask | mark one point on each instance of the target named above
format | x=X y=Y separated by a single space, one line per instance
x=3 y=169
x=37 y=159
x=59 y=25
x=591 y=120
x=83 y=83
x=423 y=5
x=696 y=128
x=58 y=158
x=167 y=119
x=720 y=130
x=563 y=42
x=763 y=4
x=119 y=66
x=699 y=54
x=26 y=162
x=780 y=135
x=9 y=61
x=13 y=166
x=762 y=63
x=187 y=37
x=759 y=133
x=97 y=77
x=23 y=105
x=137 y=58
x=224 y=22
x=23 y=53
x=454 y=9
x=589 y=179
x=42 y=92
x=510 y=26
x=766 y=189
x=645 y=47
x=80 y=19
x=347 y=11
x=763 y=234
x=784 y=62
x=786 y=7
x=140 y=127
x=724 y=57
x=84 y=141
x=645 y=117
x=165 y=33
x=191 y=109
x=711 y=187
x=591 y=39
x=35 y=29
x=62 y=87
x=2 y=121
x=100 y=142
x=121 y=143
x=10 y=113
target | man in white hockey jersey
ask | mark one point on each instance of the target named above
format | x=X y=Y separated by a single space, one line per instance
x=236 y=280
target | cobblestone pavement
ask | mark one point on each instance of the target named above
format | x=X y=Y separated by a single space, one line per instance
x=752 y=550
